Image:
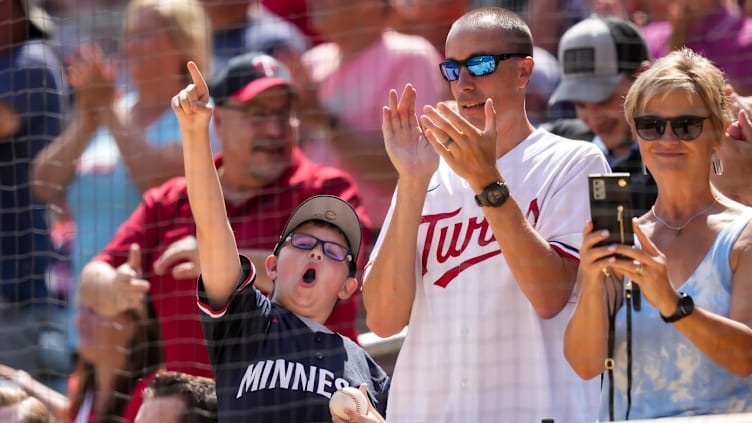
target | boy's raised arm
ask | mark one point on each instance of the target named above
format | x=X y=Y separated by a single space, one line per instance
x=218 y=251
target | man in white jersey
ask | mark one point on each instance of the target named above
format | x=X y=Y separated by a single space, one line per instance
x=479 y=249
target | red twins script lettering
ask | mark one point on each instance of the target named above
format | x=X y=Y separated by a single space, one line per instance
x=439 y=227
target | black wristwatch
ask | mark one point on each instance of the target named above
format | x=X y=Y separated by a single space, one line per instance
x=685 y=307
x=493 y=195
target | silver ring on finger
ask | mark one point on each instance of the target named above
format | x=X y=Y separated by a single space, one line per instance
x=638 y=268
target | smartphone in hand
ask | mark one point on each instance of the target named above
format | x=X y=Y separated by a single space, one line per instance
x=611 y=207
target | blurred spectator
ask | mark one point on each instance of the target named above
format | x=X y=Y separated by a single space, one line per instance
x=31 y=114
x=295 y=11
x=80 y=22
x=18 y=407
x=544 y=80
x=117 y=147
x=600 y=58
x=118 y=355
x=746 y=6
x=345 y=81
x=174 y=397
x=240 y=26
x=715 y=28
x=264 y=176
x=549 y=19
x=429 y=19
x=735 y=152
x=644 y=12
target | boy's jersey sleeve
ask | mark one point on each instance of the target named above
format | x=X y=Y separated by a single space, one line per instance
x=244 y=314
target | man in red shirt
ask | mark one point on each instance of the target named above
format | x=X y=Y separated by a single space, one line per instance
x=264 y=176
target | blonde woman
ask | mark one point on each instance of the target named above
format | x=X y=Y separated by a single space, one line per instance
x=686 y=350
x=116 y=147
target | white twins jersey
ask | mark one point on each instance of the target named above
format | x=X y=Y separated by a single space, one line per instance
x=475 y=349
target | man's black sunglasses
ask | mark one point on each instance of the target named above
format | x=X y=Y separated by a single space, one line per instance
x=480 y=65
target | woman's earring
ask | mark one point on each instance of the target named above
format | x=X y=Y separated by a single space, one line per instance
x=644 y=169
x=717 y=166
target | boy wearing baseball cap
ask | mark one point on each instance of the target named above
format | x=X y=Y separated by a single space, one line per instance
x=274 y=359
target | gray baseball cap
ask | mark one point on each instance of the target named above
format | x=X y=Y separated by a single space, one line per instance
x=330 y=209
x=594 y=55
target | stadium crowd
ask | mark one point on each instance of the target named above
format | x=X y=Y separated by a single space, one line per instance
x=462 y=134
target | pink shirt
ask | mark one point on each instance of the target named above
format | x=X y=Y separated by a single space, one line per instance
x=724 y=37
x=356 y=90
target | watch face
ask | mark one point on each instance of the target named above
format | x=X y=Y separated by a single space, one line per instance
x=494 y=196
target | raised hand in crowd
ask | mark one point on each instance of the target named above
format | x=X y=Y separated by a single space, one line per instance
x=193 y=109
x=735 y=153
x=128 y=289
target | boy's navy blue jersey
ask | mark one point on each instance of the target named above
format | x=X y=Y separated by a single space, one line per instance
x=272 y=366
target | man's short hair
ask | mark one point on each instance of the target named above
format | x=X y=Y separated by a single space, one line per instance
x=30 y=409
x=198 y=393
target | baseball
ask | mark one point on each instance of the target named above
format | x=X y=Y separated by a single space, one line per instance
x=348 y=398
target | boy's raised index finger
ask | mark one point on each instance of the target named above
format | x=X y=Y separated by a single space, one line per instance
x=198 y=80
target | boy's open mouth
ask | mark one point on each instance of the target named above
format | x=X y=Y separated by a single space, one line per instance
x=309 y=276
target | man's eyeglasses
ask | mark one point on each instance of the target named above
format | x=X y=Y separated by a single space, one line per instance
x=480 y=65
x=331 y=249
x=686 y=128
x=258 y=117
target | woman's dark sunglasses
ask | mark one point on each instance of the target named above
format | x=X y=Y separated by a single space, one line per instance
x=480 y=65
x=331 y=249
x=686 y=128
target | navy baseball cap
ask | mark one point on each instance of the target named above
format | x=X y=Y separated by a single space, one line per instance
x=247 y=75
x=594 y=55
x=330 y=209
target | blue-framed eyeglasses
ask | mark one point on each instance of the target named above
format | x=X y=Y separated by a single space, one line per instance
x=480 y=65
x=331 y=249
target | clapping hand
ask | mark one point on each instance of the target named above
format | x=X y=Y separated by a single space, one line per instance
x=468 y=150
x=408 y=149
x=93 y=77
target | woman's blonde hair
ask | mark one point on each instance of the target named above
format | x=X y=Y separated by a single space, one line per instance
x=684 y=70
x=187 y=25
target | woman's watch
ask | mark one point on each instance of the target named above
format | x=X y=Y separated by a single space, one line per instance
x=684 y=308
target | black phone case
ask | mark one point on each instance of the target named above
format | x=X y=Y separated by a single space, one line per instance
x=611 y=207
